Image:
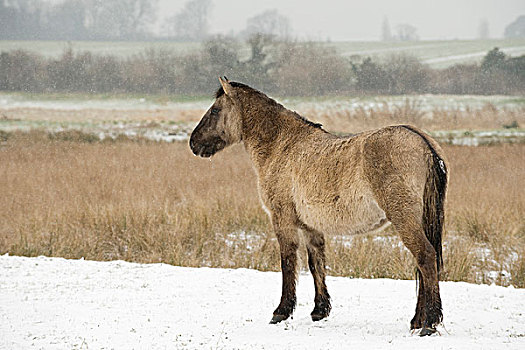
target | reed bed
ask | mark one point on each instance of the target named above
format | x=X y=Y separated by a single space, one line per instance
x=410 y=112
x=144 y=201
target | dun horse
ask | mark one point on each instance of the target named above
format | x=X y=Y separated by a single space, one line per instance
x=316 y=182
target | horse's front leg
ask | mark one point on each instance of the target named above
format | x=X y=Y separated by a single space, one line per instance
x=286 y=232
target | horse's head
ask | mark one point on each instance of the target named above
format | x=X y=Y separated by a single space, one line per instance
x=220 y=126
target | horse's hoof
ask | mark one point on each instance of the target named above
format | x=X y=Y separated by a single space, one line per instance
x=416 y=323
x=427 y=331
x=321 y=310
x=317 y=317
x=278 y=318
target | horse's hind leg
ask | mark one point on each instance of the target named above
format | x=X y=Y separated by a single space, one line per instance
x=428 y=311
x=405 y=211
x=315 y=246
x=417 y=320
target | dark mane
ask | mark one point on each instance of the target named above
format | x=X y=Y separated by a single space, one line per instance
x=306 y=121
x=220 y=92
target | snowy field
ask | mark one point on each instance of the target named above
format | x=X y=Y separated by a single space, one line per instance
x=72 y=102
x=436 y=53
x=161 y=119
x=52 y=303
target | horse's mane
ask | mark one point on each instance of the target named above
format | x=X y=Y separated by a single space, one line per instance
x=306 y=121
x=220 y=92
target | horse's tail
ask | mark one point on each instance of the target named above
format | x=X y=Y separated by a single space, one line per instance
x=434 y=205
x=434 y=198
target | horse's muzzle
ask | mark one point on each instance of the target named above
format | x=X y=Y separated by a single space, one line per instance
x=208 y=148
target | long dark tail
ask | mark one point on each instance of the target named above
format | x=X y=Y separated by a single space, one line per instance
x=434 y=205
x=434 y=200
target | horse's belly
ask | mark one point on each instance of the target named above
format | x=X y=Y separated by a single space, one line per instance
x=342 y=215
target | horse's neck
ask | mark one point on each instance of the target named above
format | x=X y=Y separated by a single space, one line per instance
x=272 y=133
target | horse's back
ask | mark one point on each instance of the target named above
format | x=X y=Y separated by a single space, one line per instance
x=340 y=184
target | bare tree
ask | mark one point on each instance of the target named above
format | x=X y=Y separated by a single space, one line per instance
x=65 y=21
x=483 y=29
x=20 y=19
x=120 y=19
x=516 y=29
x=191 y=23
x=269 y=22
x=406 y=32
x=8 y=20
x=386 y=33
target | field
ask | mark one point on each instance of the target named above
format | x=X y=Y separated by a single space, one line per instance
x=123 y=48
x=91 y=181
x=113 y=235
x=454 y=119
x=99 y=179
x=438 y=54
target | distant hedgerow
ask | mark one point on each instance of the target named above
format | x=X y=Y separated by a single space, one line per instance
x=277 y=67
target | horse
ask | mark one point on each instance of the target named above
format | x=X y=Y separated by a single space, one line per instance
x=318 y=183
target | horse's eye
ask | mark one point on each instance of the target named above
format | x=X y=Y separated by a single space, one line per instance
x=214 y=111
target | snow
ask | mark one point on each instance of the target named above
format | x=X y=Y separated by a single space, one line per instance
x=517 y=50
x=53 y=303
x=423 y=102
x=478 y=138
x=14 y=100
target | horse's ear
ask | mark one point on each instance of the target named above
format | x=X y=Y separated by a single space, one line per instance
x=226 y=86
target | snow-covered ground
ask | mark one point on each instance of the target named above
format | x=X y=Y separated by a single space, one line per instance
x=71 y=103
x=52 y=303
x=452 y=59
x=424 y=102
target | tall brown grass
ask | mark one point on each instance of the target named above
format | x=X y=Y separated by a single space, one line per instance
x=42 y=114
x=155 y=202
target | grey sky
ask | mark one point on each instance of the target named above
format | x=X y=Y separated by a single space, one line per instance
x=361 y=20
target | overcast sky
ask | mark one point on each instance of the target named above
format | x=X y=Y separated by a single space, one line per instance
x=339 y=20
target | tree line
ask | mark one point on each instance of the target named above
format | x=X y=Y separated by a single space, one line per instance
x=280 y=67
x=76 y=19
x=120 y=20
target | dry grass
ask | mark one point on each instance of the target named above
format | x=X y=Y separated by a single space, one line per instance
x=124 y=200
x=152 y=202
x=486 y=211
x=100 y=115
x=360 y=119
